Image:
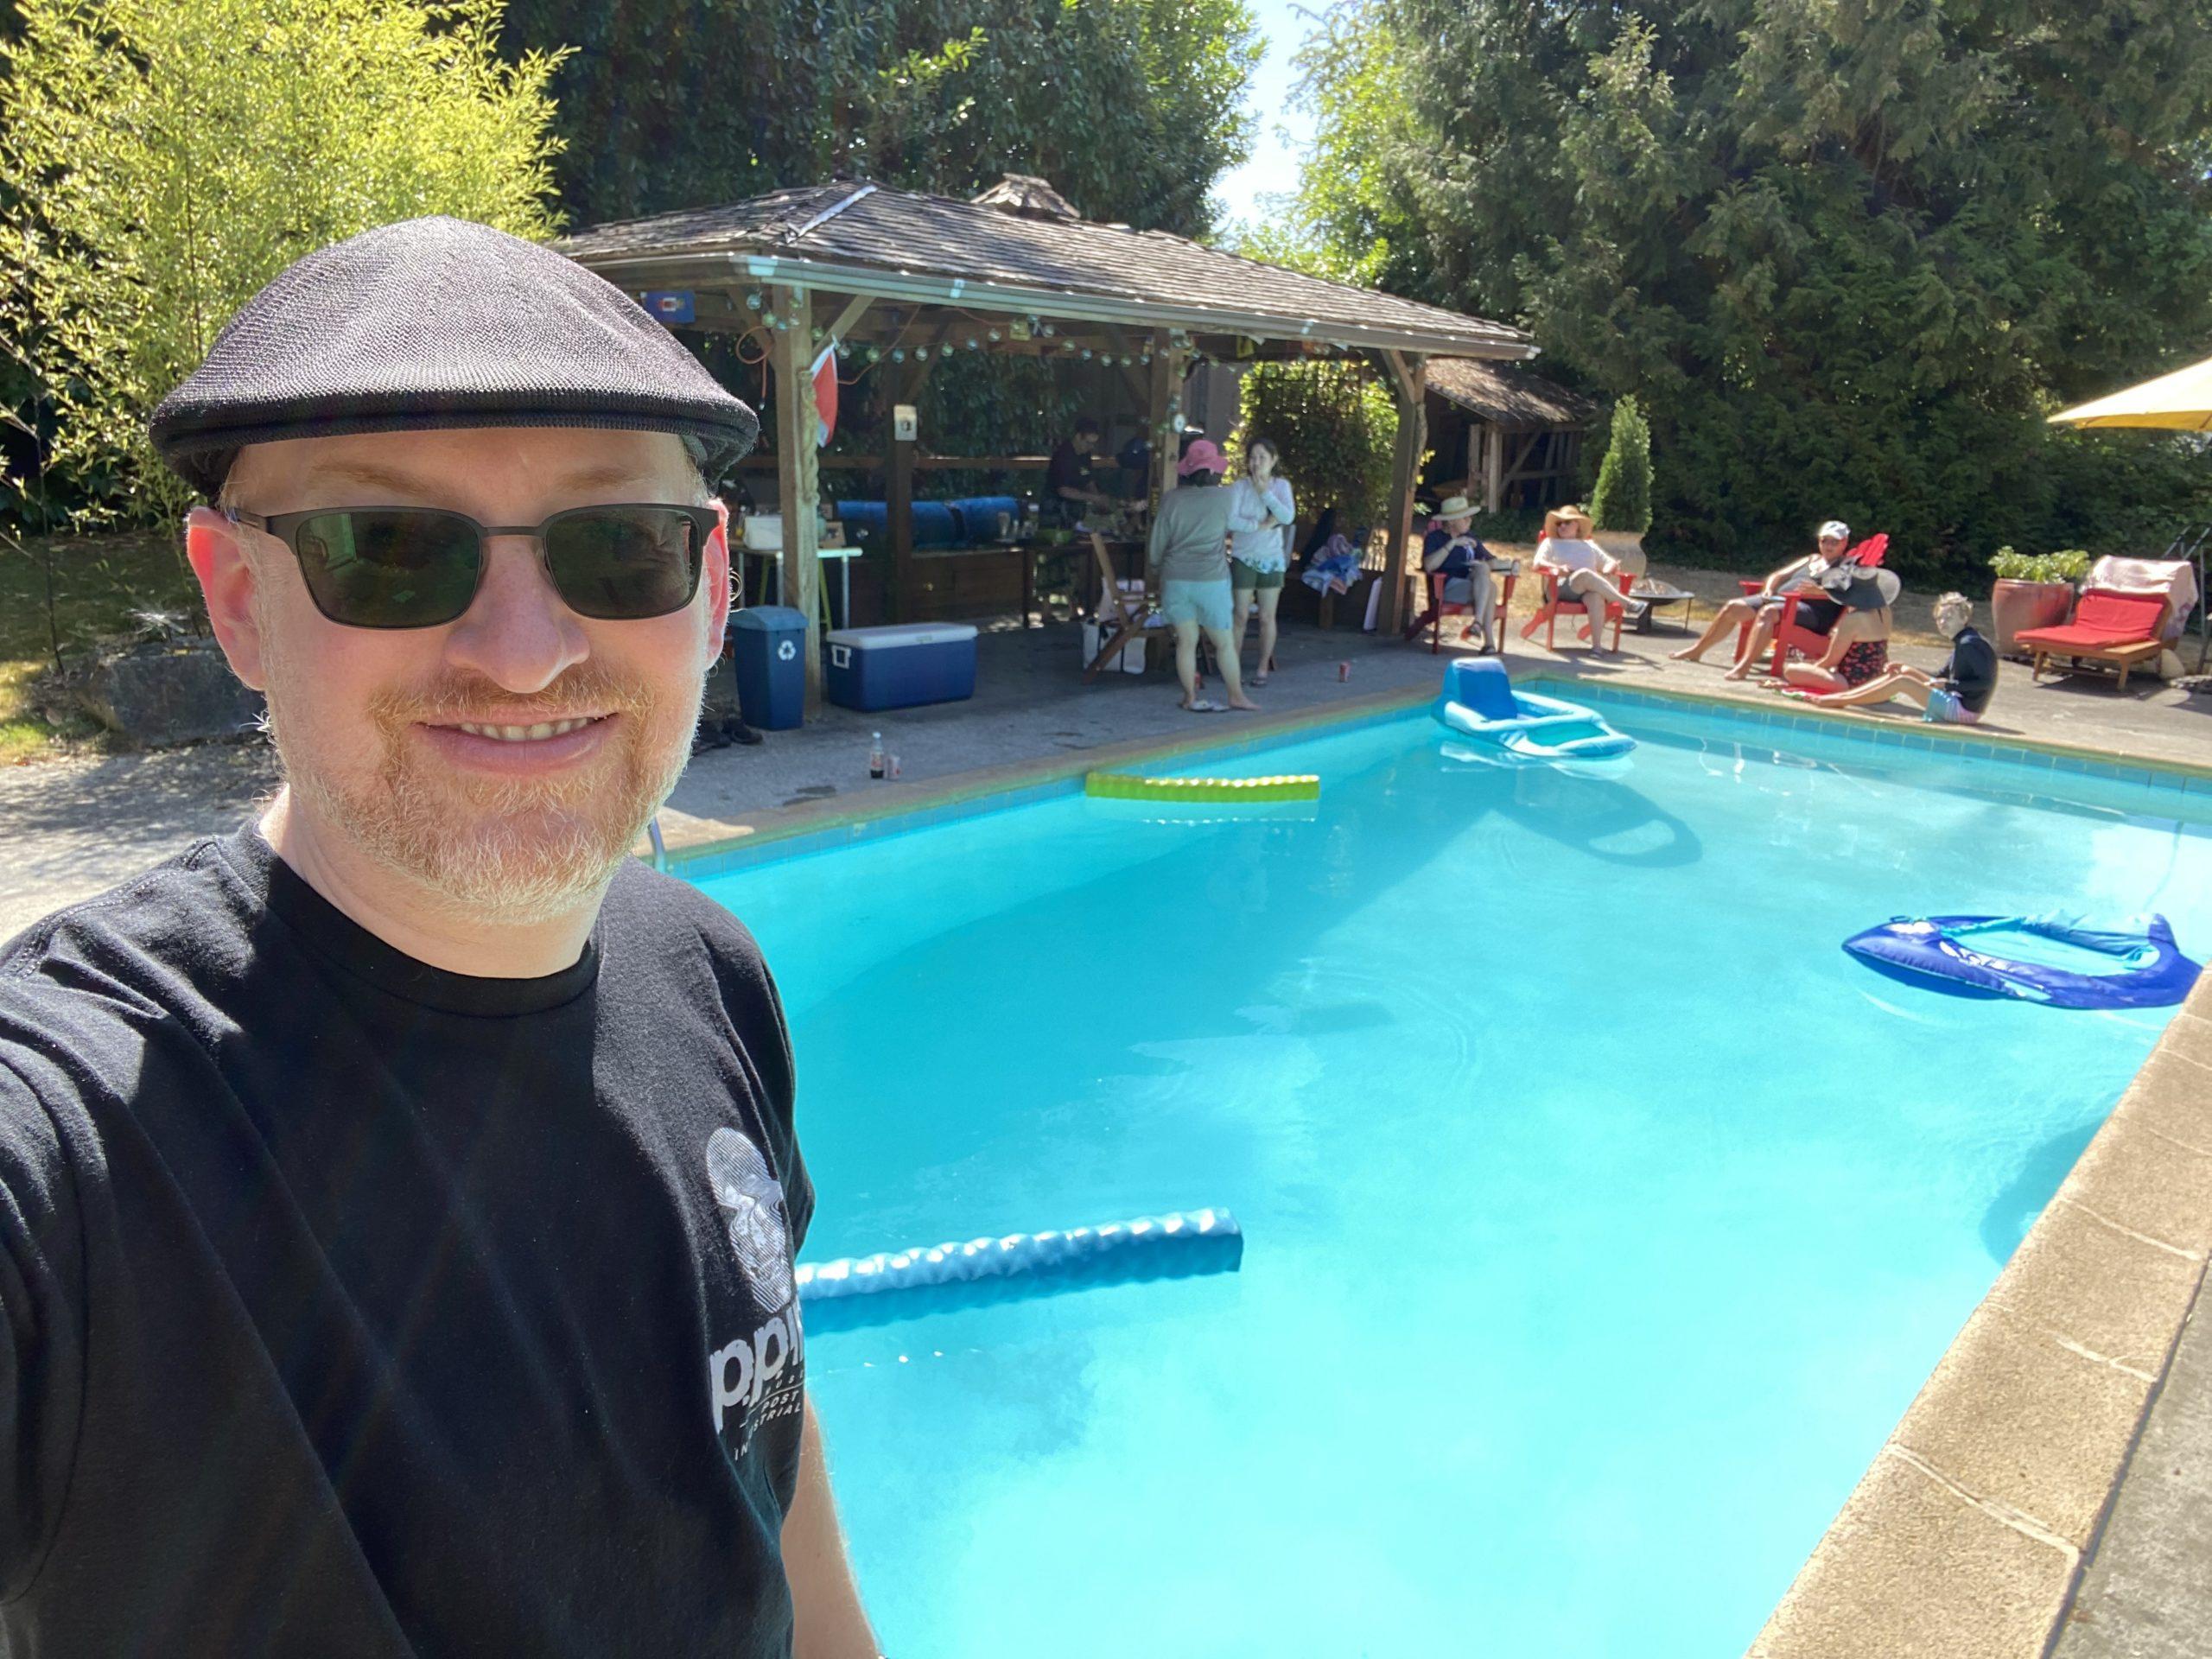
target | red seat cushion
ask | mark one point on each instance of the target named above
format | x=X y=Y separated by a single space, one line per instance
x=2127 y=616
x=2102 y=618
x=2074 y=638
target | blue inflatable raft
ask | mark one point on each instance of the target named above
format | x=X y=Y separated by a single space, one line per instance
x=1479 y=702
x=1938 y=953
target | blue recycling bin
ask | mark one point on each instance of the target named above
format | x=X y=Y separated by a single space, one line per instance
x=768 y=653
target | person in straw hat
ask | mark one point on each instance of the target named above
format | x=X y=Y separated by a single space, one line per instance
x=1451 y=549
x=1585 y=569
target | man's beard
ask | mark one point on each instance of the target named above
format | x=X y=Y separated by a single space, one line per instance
x=514 y=851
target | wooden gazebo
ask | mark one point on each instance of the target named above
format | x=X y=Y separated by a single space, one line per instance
x=852 y=266
x=1505 y=430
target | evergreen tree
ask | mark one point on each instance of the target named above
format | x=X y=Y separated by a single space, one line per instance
x=1622 y=500
x=1130 y=108
x=1850 y=253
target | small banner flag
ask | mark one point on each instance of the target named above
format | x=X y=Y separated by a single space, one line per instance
x=670 y=305
x=825 y=394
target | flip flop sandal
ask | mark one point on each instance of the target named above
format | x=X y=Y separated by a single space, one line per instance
x=1205 y=706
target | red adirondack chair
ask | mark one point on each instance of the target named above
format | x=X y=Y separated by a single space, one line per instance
x=1547 y=613
x=1787 y=636
x=1439 y=607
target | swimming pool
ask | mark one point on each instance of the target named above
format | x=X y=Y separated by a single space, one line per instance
x=1601 y=1214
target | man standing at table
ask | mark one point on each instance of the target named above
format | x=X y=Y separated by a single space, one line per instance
x=1068 y=490
x=398 y=1196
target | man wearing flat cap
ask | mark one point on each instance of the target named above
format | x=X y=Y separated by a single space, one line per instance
x=398 y=1196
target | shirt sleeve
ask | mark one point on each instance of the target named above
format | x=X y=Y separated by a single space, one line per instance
x=42 y=1342
x=1155 y=542
x=1285 y=505
x=1243 y=506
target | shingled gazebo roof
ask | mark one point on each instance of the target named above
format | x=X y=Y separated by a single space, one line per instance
x=1015 y=254
x=1507 y=394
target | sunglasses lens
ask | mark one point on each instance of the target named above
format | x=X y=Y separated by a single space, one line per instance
x=389 y=566
x=624 y=563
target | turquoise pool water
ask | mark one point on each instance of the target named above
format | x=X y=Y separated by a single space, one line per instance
x=1601 y=1214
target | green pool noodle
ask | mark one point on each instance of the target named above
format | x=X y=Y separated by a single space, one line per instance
x=1121 y=786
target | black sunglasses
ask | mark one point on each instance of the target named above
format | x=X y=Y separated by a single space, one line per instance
x=420 y=566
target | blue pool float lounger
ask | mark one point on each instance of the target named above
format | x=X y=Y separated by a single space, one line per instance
x=901 y=1284
x=1479 y=702
x=1937 y=954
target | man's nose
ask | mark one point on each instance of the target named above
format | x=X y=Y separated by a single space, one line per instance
x=517 y=634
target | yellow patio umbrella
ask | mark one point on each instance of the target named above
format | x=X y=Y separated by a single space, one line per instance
x=2180 y=401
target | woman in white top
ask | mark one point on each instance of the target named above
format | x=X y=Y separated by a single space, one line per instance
x=1583 y=569
x=1260 y=515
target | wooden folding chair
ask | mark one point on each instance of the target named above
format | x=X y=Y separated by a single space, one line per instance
x=1120 y=615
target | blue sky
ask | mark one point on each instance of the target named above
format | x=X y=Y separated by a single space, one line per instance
x=1283 y=133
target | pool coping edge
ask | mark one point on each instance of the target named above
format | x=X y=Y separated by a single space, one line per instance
x=1971 y=1531
x=701 y=846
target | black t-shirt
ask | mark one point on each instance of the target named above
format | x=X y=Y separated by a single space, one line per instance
x=349 y=1306
x=1972 y=671
x=1068 y=469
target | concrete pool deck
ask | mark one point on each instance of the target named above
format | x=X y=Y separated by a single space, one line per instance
x=2005 y=1513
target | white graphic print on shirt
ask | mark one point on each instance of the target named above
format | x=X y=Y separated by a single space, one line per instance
x=759 y=1377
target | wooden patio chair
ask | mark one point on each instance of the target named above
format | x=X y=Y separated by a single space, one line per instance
x=1123 y=616
x=2121 y=630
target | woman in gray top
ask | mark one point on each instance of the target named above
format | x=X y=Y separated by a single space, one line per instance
x=1186 y=564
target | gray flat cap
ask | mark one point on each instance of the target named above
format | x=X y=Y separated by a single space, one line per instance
x=432 y=324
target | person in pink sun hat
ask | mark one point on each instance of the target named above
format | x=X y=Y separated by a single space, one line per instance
x=1186 y=564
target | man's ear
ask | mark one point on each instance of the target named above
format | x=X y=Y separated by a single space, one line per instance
x=226 y=583
x=716 y=577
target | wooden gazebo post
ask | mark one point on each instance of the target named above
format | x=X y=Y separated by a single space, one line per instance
x=1408 y=375
x=797 y=470
x=1165 y=405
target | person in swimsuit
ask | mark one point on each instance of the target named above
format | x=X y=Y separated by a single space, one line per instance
x=1858 y=642
x=1957 y=694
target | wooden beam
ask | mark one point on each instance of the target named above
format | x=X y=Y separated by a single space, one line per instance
x=1163 y=407
x=899 y=496
x=1409 y=377
x=798 y=482
x=1493 y=469
x=841 y=329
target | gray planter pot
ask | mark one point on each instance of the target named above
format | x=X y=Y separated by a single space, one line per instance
x=157 y=696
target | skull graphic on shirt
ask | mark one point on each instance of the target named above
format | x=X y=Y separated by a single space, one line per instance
x=751 y=1201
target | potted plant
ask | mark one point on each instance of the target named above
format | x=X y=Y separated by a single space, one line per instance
x=1622 y=504
x=2033 y=590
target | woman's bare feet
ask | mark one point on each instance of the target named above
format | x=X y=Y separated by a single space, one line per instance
x=1687 y=654
x=1245 y=703
x=1741 y=671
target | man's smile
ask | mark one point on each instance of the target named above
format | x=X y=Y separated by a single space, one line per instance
x=530 y=734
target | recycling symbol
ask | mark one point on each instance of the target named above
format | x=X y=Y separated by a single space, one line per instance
x=787 y=650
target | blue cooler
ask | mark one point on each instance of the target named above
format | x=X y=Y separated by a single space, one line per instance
x=898 y=667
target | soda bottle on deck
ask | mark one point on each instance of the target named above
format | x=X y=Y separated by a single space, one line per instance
x=876 y=754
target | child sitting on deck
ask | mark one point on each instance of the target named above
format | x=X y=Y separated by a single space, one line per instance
x=1957 y=693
